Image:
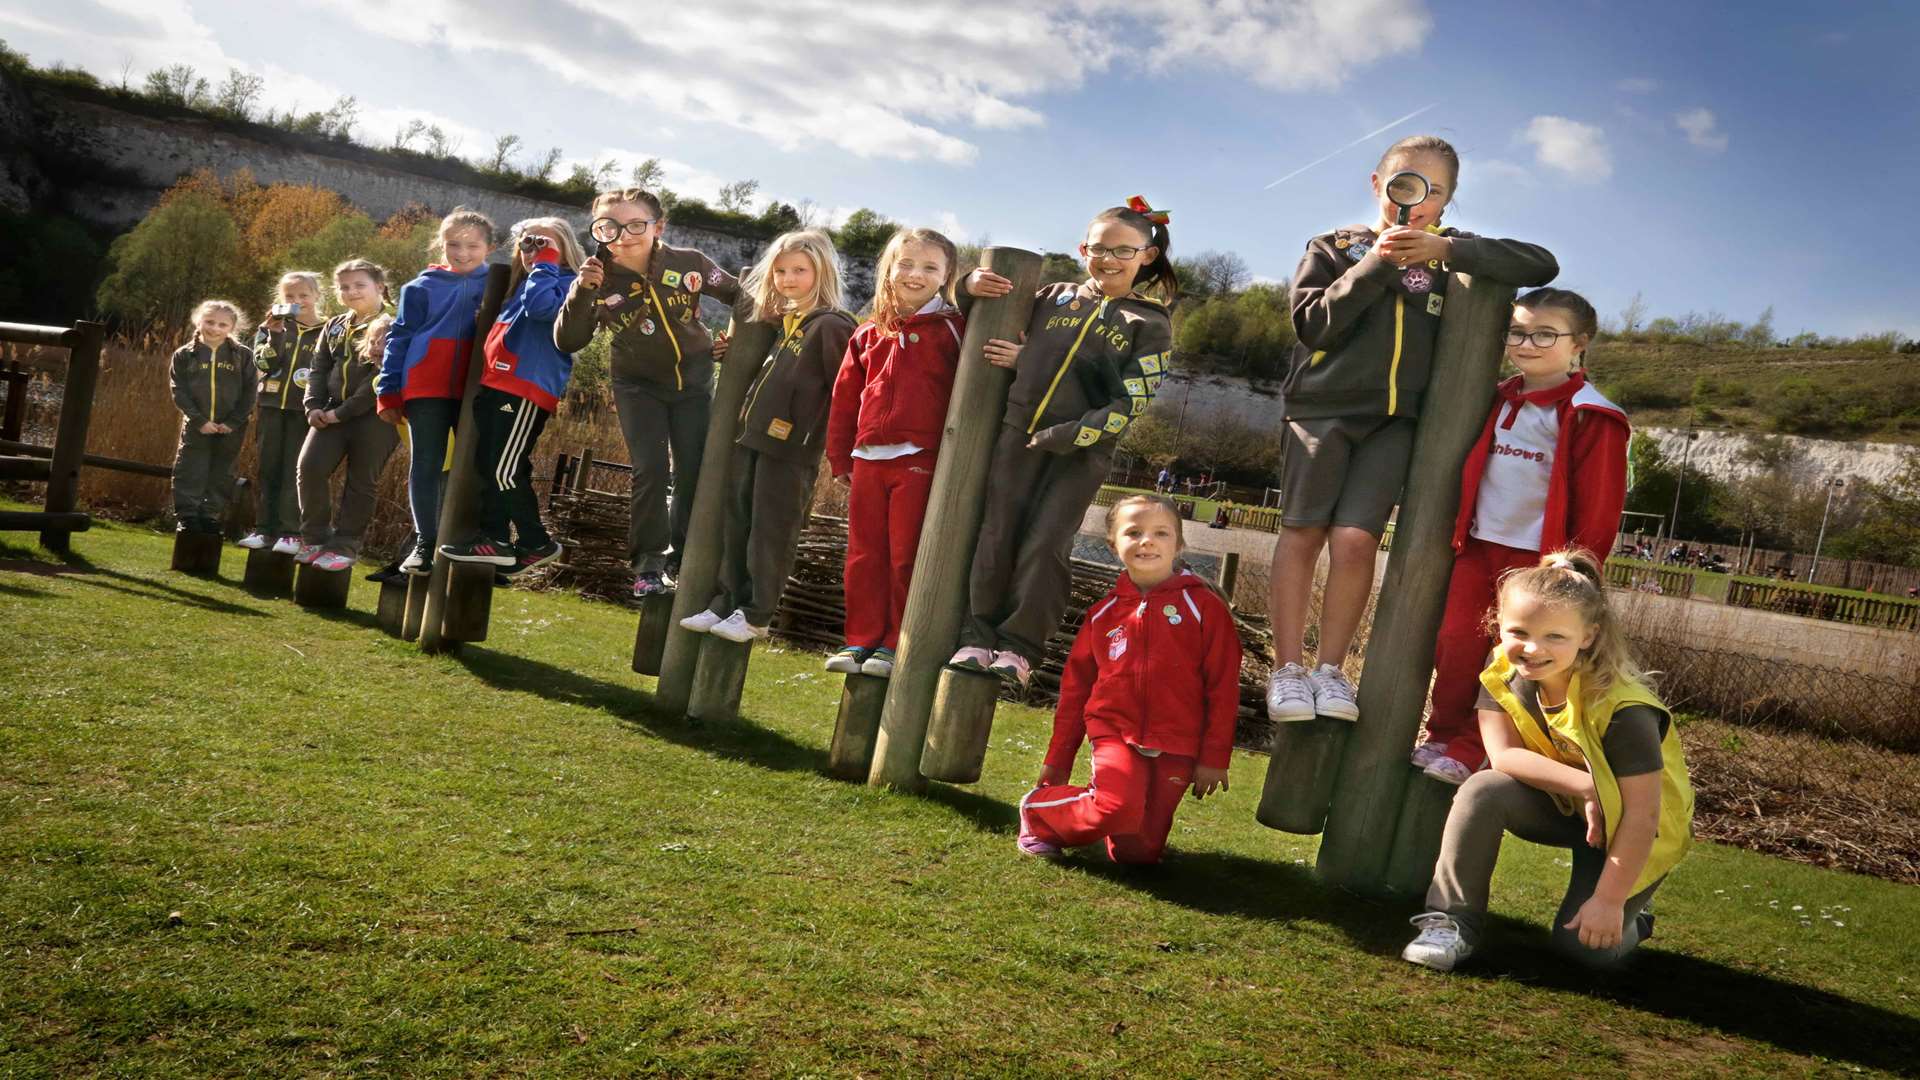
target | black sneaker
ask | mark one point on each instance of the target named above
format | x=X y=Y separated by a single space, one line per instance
x=389 y=572
x=528 y=558
x=490 y=552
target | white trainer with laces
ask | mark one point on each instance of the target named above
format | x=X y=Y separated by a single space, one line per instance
x=287 y=545
x=307 y=553
x=1439 y=944
x=735 y=627
x=333 y=562
x=702 y=621
x=253 y=541
x=1333 y=694
x=1289 y=695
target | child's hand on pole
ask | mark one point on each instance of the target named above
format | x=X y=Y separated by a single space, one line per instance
x=1001 y=353
x=1206 y=781
x=983 y=283
x=721 y=343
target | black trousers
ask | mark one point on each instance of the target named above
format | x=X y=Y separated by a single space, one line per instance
x=203 y=472
x=505 y=428
x=652 y=422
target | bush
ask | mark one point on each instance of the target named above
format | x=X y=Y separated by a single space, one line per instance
x=1645 y=392
x=186 y=250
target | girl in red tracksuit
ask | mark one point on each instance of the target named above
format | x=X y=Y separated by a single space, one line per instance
x=1154 y=684
x=1549 y=472
x=883 y=435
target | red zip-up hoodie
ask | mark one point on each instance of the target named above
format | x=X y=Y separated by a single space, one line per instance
x=893 y=388
x=1161 y=671
x=1587 y=487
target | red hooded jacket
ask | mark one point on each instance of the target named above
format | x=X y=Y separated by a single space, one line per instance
x=893 y=388
x=1160 y=671
x=1588 y=485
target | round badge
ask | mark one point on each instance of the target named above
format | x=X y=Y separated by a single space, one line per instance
x=1342 y=242
x=1075 y=306
x=302 y=376
x=692 y=281
x=1173 y=620
x=1418 y=281
x=913 y=337
x=1359 y=251
x=647 y=327
x=1170 y=611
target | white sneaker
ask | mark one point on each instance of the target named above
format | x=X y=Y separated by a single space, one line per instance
x=307 y=553
x=1424 y=754
x=1333 y=694
x=333 y=562
x=253 y=541
x=1448 y=771
x=287 y=545
x=1289 y=695
x=701 y=621
x=1438 y=945
x=735 y=627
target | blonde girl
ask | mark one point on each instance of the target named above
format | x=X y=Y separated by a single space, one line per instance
x=343 y=427
x=283 y=349
x=214 y=385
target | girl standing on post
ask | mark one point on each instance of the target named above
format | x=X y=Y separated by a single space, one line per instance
x=340 y=411
x=214 y=385
x=283 y=350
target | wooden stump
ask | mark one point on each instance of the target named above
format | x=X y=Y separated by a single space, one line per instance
x=416 y=613
x=650 y=637
x=718 y=679
x=198 y=553
x=392 y=612
x=856 y=728
x=1416 y=840
x=1300 y=773
x=317 y=588
x=269 y=573
x=469 y=602
x=963 y=704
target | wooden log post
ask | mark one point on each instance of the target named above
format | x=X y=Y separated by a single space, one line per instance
x=323 y=589
x=197 y=552
x=269 y=573
x=718 y=679
x=937 y=600
x=415 y=616
x=855 y=729
x=707 y=524
x=1301 y=768
x=70 y=437
x=1229 y=575
x=1372 y=782
x=963 y=704
x=1416 y=836
x=650 y=637
x=392 y=611
x=469 y=602
x=460 y=505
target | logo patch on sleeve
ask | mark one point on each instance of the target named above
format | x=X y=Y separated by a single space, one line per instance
x=1087 y=437
x=1435 y=302
x=691 y=280
x=1136 y=387
x=670 y=278
x=1115 y=422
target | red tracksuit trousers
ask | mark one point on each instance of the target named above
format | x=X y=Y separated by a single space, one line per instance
x=884 y=511
x=1460 y=653
x=1129 y=801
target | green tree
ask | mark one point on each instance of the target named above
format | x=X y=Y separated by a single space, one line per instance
x=177 y=84
x=238 y=95
x=1654 y=480
x=186 y=250
x=864 y=234
x=47 y=268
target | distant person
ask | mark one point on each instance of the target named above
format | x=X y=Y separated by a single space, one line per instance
x=1153 y=683
x=1584 y=757
x=1366 y=303
x=1548 y=471
x=283 y=350
x=1164 y=481
x=214 y=385
x=340 y=404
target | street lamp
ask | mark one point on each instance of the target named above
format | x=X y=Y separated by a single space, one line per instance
x=1686 y=453
x=1831 y=483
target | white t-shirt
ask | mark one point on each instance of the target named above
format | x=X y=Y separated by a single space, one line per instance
x=1511 y=506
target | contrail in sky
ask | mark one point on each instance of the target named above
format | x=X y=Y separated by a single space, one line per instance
x=1349 y=146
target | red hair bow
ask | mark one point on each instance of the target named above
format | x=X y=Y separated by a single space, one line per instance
x=1138 y=204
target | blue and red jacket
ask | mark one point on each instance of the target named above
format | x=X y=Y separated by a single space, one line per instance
x=431 y=337
x=521 y=357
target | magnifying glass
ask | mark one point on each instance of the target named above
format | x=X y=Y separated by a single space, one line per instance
x=1406 y=190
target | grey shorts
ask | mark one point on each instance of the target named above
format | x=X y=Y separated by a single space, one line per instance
x=1344 y=470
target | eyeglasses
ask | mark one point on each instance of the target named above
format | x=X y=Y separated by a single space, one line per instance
x=1540 y=339
x=1101 y=251
x=607 y=230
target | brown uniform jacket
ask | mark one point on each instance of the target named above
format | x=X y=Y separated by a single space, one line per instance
x=655 y=320
x=1089 y=366
x=341 y=378
x=785 y=414
x=283 y=357
x=217 y=386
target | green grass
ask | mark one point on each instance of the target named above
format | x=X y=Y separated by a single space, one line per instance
x=1713 y=585
x=237 y=838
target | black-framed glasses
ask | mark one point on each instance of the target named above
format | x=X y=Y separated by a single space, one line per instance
x=1101 y=251
x=607 y=230
x=1540 y=339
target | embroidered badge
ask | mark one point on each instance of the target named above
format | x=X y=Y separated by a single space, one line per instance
x=780 y=429
x=1434 y=303
x=646 y=326
x=1116 y=422
x=913 y=337
x=1087 y=437
x=1135 y=387
x=1359 y=250
x=1173 y=620
x=1170 y=611
x=1075 y=306
x=1417 y=281
x=614 y=301
x=1116 y=643
x=691 y=279
x=336 y=329
x=1342 y=243
x=271 y=386
x=1063 y=300
x=670 y=278
x=1433 y=264
x=302 y=376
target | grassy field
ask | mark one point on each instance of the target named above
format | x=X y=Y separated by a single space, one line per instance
x=243 y=839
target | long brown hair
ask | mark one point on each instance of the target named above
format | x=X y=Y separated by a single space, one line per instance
x=1572 y=578
x=886 y=307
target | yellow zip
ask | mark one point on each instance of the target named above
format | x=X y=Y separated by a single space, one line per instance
x=788 y=338
x=286 y=376
x=1098 y=310
x=1318 y=355
x=678 y=384
x=213 y=381
x=1393 y=371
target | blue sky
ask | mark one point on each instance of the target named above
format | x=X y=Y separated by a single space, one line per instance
x=1712 y=157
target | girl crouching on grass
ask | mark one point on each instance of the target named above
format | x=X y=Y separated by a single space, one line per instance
x=1154 y=683
x=214 y=386
x=1583 y=756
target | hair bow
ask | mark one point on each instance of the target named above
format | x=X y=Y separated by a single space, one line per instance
x=1138 y=204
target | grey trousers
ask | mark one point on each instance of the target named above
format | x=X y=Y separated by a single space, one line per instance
x=203 y=472
x=1491 y=804
x=653 y=422
x=279 y=433
x=365 y=443
x=766 y=509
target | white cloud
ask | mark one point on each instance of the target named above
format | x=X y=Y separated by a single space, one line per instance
x=1638 y=85
x=1475 y=171
x=1699 y=124
x=947 y=222
x=1569 y=146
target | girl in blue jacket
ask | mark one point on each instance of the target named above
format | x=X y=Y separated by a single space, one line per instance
x=522 y=383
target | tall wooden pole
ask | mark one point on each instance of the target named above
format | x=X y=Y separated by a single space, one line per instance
x=707 y=525
x=70 y=438
x=460 y=503
x=937 y=601
x=1373 y=779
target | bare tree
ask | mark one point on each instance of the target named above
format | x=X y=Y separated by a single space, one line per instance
x=339 y=120
x=1632 y=315
x=504 y=147
x=543 y=169
x=1225 y=272
x=649 y=174
x=237 y=95
x=811 y=216
x=403 y=139
x=439 y=144
x=735 y=197
x=177 y=84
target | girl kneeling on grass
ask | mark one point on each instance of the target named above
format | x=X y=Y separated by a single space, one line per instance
x=1584 y=756
x=1154 y=683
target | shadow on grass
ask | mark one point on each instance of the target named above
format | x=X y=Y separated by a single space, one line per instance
x=83 y=571
x=1792 y=1017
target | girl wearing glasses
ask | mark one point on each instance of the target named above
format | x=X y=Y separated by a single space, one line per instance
x=1093 y=355
x=646 y=293
x=1548 y=472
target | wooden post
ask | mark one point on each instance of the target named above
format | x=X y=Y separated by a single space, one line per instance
x=1300 y=771
x=854 y=730
x=650 y=637
x=197 y=553
x=937 y=600
x=583 y=470
x=392 y=612
x=462 y=498
x=70 y=438
x=1373 y=776
x=469 y=602
x=1416 y=837
x=317 y=588
x=1229 y=575
x=718 y=679
x=269 y=573
x=416 y=613
x=707 y=525
x=13 y=422
x=957 y=731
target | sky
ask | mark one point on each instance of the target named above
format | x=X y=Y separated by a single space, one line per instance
x=1710 y=157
